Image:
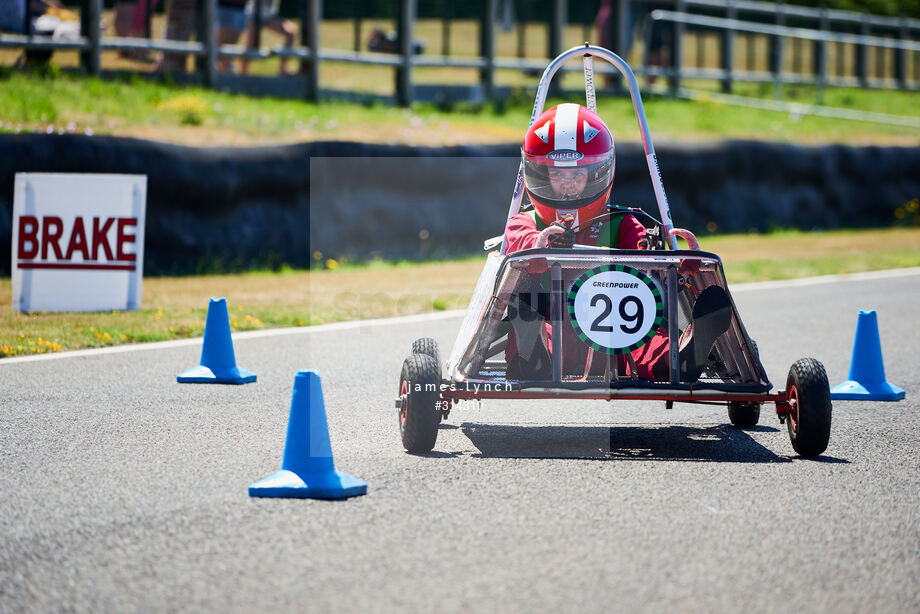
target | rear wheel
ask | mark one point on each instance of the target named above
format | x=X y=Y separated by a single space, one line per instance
x=429 y=347
x=743 y=414
x=418 y=414
x=809 y=396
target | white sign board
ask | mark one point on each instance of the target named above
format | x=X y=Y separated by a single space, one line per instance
x=78 y=241
x=615 y=308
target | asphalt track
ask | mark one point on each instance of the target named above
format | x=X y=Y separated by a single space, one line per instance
x=123 y=491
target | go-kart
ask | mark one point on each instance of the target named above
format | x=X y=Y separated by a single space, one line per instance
x=596 y=308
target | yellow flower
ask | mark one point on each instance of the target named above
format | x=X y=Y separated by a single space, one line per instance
x=331 y=263
x=190 y=108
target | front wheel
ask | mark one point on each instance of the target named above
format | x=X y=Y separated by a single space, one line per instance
x=809 y=397
x=418 y=413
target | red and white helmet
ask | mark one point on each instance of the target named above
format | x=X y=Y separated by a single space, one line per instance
x=569 y=162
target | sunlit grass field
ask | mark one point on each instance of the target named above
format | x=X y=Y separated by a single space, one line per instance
x=175 y=308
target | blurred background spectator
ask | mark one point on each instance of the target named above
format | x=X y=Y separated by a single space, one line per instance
x=13 y=16
x=605 y=22
x=180 y=21
x=272 y=20
x=131 y=20
x=46 y=18
x=660 y=40
x=232 y=19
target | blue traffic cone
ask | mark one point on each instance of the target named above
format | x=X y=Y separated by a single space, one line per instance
x=307 y=469
x=218 y=363
x=866 y=381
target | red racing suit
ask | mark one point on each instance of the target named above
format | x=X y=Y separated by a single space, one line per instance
x=621 y=231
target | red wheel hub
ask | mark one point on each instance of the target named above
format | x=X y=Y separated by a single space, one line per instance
x=793 y=416
x=404 y=394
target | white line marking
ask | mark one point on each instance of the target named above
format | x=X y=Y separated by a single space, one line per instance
x=251 y=334
x=428 y=317
x=823 y=279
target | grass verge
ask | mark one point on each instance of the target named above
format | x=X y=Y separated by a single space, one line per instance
x=61 y=103
x=175 y=308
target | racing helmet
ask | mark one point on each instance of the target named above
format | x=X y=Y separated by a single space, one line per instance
x=569 y=162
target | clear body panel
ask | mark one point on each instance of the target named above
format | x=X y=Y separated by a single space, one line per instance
x=602 y=317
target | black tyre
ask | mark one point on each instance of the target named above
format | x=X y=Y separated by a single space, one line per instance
x=428 y=346
x=419 y=416
x=743 y=415
x=809 y=394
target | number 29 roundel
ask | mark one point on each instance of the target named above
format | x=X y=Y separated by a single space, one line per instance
x=615 y=309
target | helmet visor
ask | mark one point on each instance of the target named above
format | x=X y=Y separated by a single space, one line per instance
x=568 y=184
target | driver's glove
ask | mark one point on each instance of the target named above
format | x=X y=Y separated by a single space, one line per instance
x=565 y=239
x=549 y=236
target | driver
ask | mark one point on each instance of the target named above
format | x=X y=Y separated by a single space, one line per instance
x=569 y=163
